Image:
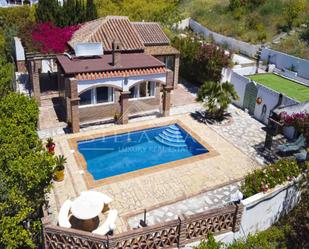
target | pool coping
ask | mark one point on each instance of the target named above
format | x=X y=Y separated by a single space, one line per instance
x=92 y=183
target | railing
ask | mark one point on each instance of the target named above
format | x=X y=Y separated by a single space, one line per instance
x=171 y=234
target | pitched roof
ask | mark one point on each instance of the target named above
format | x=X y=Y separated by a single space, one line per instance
x=103 y=63
x=107 y=29
x=151 y=33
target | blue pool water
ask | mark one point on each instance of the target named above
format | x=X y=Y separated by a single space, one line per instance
x=119 y=154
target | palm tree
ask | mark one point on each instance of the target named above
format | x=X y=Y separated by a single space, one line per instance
x=216 y=97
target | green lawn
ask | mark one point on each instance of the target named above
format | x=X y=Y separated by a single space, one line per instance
x=282 y=85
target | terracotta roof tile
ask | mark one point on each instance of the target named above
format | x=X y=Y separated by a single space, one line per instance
x=107 y=29
x=120 y=73
x=151 y=33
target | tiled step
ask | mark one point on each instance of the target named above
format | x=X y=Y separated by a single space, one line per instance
x=172 y=139
x=171 y=144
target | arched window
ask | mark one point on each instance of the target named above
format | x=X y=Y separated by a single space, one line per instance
x=97 y=95
x=143 y=90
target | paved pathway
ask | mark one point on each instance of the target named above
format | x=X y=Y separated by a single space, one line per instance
x=246 y=133
x=200 y=203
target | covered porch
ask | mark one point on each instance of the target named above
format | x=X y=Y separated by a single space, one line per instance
x=112 y=87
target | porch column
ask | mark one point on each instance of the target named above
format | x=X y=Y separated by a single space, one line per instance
x=74 y=99
x=36 y=66
x=124 y=107
x=166 y=100
x=176 y=70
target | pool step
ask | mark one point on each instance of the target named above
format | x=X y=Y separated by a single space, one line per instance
x=179 y=136
x=172 y=137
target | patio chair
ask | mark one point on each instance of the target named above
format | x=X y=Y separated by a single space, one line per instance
x=292 y=147
x=109 y=224
x=64 y=214
x=302 y=156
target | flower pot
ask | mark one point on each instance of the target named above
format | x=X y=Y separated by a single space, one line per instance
x=59 y=175
x=51 y=148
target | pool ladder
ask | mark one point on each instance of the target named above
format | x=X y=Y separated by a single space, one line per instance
x=172 y=137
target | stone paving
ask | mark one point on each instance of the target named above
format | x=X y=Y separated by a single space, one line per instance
x=247 y=134
x=200 y=203
x=184 y=189
x=151 y=190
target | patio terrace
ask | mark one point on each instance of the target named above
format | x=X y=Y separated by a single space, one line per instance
x=154 y=189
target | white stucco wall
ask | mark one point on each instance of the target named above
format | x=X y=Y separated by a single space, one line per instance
x=122 y=83
x=269 y=99
x=19 y=50
x=245 y=70
x=233 y=44
x=261 y=211
x=285 y=61
x=239 y=83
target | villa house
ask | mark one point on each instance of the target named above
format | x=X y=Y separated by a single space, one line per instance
x=134 y=71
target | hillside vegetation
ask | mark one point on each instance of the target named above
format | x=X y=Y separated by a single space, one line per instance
x=255 y=21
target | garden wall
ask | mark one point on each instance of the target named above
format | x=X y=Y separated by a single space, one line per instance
x=285 y=61
x=269 y=97
x=233 y=44
x=261 y=211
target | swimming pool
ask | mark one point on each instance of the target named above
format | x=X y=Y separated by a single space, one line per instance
x=119 y=154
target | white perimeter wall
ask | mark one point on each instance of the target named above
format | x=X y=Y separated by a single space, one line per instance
x=285 y=61
x=261 y=211
x=233 y=44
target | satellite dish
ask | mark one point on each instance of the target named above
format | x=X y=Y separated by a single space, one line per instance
x=88 y=49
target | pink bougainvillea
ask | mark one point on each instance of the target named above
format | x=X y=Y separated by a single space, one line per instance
x=295 y=119
x=52 y=39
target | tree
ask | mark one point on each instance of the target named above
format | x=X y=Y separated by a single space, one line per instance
x=216 y=97
x=292 y=10
x=210 y=60
x=201 y=61
x=47 y=11
x=25 y=173
x=91 y=11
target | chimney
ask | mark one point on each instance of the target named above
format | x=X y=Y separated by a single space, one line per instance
x=116 y=46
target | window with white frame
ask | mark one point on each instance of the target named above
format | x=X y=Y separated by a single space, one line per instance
x=97 y=95
x=143 y=90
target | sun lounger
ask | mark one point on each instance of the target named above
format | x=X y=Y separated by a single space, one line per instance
x=109 y=224
x=64 y=217
x=292 y=147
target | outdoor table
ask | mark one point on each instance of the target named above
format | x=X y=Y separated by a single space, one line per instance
x=86 y=209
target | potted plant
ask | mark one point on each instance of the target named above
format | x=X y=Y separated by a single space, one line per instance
x=116 y=117
x=59 y=168
x=50 y=145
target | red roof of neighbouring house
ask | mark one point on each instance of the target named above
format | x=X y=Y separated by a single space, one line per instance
x=131 y=61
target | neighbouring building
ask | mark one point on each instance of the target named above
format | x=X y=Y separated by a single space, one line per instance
x=133 y=74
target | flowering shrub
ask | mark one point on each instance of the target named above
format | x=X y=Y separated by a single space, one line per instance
x=51 y=39
x=201 y=61
x=298 y=120
x=264 y=179
x=295 y=119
